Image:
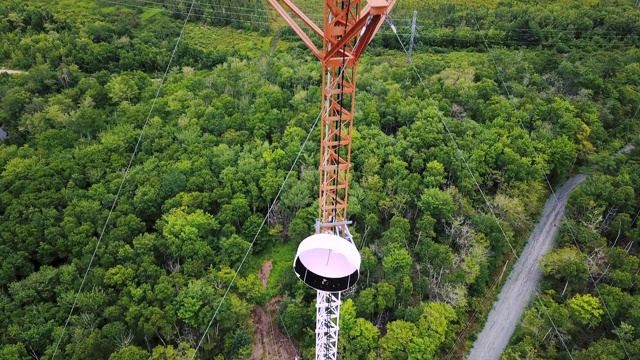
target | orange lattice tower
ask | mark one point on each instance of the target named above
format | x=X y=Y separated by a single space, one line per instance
x=329 y=260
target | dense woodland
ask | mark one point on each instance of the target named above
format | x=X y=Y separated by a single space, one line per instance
x=531 y=92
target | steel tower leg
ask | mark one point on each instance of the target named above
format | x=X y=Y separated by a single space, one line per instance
x=339 y=84
x=327 y=319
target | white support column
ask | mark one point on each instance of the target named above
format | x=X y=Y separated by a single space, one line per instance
x=327 y=318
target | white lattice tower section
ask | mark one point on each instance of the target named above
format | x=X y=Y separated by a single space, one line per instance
x=327 y=319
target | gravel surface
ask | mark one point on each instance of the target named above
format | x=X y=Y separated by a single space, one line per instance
x=626 y=149
x=8 y=71
x=521 y=284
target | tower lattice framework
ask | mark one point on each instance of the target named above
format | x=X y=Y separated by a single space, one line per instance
x=349 y=26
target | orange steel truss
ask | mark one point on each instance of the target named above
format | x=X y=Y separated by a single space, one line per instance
x=348 y=29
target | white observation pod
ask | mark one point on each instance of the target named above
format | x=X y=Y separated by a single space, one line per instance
x=327 y=262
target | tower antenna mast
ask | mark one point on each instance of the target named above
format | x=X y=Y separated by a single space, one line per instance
x=329 y=260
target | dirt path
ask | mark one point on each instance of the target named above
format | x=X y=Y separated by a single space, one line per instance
x=520 y=286
x=9 y=71
x=264 y=272
x=269 y=342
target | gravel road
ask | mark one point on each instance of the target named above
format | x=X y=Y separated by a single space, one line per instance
x=8 y=71
x=521 y=284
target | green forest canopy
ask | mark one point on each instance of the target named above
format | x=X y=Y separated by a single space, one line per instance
x=528 y=91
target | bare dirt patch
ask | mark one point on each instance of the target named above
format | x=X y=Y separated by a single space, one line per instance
x=269 y=343
x=264 y=272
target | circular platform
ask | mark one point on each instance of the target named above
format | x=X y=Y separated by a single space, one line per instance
x=327 y=262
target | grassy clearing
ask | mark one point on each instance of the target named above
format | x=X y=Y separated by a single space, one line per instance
x=147 y=16
x=87 y=10
x=242 y=41
x=404 y=8
x=282 y=256
x=314 y=8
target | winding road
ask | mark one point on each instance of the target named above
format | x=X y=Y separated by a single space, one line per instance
x=521 y=284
